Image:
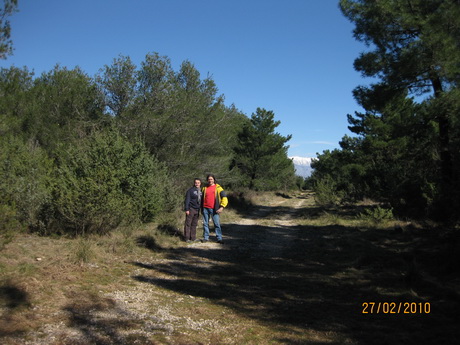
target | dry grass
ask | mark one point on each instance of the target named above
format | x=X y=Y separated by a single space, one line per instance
x=288 y=273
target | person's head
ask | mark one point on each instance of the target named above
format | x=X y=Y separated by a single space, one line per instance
x=211 y=179
x=197 y=182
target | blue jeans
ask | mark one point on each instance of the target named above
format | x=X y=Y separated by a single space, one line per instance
x=207 y=213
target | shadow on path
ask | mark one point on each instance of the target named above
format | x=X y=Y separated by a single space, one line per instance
x=315 y=279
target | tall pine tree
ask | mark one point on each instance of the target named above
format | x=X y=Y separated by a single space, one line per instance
x=261 y=154
x=414 y=51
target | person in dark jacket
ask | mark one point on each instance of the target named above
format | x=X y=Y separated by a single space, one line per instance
x=192 y=206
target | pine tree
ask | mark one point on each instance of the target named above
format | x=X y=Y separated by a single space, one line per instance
x=261 y=153
x=6 y=45
x=414 y=52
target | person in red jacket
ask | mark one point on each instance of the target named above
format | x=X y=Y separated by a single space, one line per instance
x=214 y=202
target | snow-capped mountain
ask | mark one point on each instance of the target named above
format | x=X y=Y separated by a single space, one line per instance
x=302 y=165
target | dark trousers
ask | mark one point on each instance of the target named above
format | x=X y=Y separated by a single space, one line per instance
x=191 y=221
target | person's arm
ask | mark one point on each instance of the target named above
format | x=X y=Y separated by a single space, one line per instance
x=223 y=201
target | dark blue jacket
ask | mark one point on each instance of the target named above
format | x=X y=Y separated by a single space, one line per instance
x=192 y=199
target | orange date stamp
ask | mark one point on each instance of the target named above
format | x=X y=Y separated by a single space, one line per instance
x=396 y=308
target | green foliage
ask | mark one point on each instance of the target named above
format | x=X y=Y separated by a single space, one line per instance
x=85 y=155
x=300 y=182
x=6 y=45
x=105 y=182
x=60 y=105
x=64 y=105
x=83 y=250
x=393 y=159
x=9 y=224
x=376 y=215
x=403 y=152
x=261 y=155
x=326 y=192
x=118 y=83
x=330 y=218
x=341 y=170
x=25 y=180
x=178 y=115
x=15 y=85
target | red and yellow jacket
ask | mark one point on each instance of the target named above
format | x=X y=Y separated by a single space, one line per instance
x=221 y=197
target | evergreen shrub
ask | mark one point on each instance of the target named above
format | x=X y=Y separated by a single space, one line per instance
x=326 y=193
x=107 y=181
x=377 y=215
x=25 y=181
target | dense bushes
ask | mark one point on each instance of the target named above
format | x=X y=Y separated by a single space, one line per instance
x=107 y=181
x=25 y=179
x=92 y=187
x=83 y=154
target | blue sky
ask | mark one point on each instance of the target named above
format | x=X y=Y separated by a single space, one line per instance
x=294 y=57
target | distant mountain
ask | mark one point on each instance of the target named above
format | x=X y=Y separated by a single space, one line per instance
x=302 y=165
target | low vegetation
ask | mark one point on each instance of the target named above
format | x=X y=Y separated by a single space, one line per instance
x=289 y=272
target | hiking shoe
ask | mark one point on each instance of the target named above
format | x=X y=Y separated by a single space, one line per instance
x=204 y=241
x=220 y=241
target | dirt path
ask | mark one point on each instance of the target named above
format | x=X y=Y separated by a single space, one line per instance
x=226 y=294
x=277 y=282
x=268 y=231
x=277 y=279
